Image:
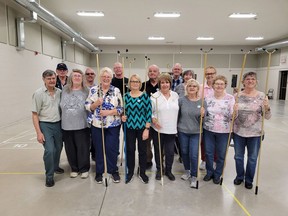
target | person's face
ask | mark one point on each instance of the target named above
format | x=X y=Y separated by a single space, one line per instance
x=177 y=70
x=134 y=84
x=50 y=81
x=106 y=79
x=90 y=76
x=61 y=72
x=76 y=78
x=118 y=70
x=153 y=72
x=187 y=77
x=165 y=85
x=192 y=89
x=219 y=86
x=250 y=82
x=210 y=74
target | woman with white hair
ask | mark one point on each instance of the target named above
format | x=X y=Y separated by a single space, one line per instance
x=105 y=101
x=189 y=129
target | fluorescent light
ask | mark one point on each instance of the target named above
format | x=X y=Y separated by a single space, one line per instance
x=167 y=14
x=254 y=38
x=107 y=37
x=90 y=13
x=242 y=15
x=205 y=38
x=156 y=38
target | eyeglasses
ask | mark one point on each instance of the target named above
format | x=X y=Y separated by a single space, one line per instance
x=219 y=84
x=89 y=74
x=250 y=79
x=106 y=77
x=134 y=81
x=194 y=86
x=207 y=74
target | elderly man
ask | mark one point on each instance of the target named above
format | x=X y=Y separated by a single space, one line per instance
x=62 y=77
x=117 y=80
x=210 y=74
x=176 y=77
x=151 y=86
x=46 y=121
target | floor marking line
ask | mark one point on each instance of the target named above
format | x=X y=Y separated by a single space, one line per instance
x=237 y=201
x=21 y=173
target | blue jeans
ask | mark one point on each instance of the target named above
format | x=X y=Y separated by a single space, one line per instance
x=189 y=147
x=111 y=142
x=253 y=145
x=52 y=146
x=215 y=142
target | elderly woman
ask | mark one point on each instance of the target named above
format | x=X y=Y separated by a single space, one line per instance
x=105 y=101
x=180 y=89
x=74 y=124
x=164 y=118
x=138 y=119
x=219 y=110
x=188 y=131
x=251 y=106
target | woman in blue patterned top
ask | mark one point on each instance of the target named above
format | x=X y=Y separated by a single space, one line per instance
x=105 y=101
x=138 y=119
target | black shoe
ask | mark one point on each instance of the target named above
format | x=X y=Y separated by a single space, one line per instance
x=170 y=176
x=129 y=178
x=149 y=165
x=158 y=175
x=207 y=177
x=59 y=170
x=49 y=183
x=216 y=180
x=99 y=178
x=248 y=185
x=144 y=178
x=115 y=177
x=237 y=181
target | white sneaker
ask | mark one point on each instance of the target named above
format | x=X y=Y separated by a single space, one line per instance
x=202 y=165
x=73 y=174
x=186 y=175
x=84 y=175
x=193 y=182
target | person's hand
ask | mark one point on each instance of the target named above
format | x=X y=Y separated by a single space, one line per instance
x=40 y=138
x=124 y=118
x=145 y=134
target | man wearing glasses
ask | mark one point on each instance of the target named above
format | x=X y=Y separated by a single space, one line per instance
x=62 y=77
x=210 y=74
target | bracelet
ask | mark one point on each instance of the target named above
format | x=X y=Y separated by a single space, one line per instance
x=148 y=128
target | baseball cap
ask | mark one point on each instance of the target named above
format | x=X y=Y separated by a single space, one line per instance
x=61 y=66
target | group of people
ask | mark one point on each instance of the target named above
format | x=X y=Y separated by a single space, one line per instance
x=164 y=110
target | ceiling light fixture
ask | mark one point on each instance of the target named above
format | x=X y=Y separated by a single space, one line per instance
x=254 y=38
x=167 y=14
x=107 y=37
x=242 y=15
x=90 y=13
x=205 y=38
x=156 y=38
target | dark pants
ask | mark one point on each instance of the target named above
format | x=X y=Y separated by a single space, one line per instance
x=77 y=145
x=167 y=145
x=131 y=136
x=111 y=142
x=52 y=146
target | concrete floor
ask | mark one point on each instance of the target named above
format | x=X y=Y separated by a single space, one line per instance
x=23 y=191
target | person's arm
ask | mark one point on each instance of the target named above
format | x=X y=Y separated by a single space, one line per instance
x=40 y=135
